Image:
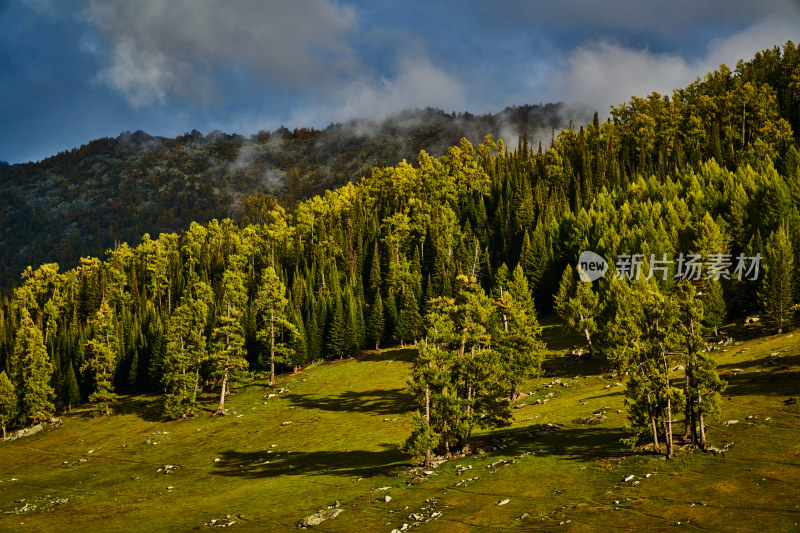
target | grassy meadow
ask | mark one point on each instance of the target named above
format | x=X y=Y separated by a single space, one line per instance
x=333 y=435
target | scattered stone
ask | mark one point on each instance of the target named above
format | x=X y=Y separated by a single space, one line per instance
x=228 y=521
x=217 y=459
x=596 y=418
x=318 y=518
x=503 y=502
x=628 y=478
x=168 y=469
x=387 y=498
x=286 y=423
x=730 y=422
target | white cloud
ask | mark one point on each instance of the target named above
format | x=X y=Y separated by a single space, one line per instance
x=417 y=83
x=162 y=47
x=604 y=73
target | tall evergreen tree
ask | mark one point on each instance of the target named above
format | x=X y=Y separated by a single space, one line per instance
x=375 y=323
x=228 y=338
x=35 y=371
x=777 y=288
x=104 y=352
x=579 y=306
x=8 y=402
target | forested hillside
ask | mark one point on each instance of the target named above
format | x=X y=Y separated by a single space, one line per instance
x=477 y=241
x=81 y=202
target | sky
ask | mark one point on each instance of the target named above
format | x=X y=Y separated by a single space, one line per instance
x=72 y=71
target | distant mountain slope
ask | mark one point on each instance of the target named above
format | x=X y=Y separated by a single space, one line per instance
x=80 y=202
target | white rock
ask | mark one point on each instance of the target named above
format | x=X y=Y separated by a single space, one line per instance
x=628 y=478
x=503 y=502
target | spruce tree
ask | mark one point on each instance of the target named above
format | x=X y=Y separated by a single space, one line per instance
x=714 y=306
x=103 y=355
x=185 y=350
x=228 y=355
x=35 y=370
x=375 y=322
x=579 y=306
x=409 y=322
x=777 y=288
x=72 y=392
x=8 y=402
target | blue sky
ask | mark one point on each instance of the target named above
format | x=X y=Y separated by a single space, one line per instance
x=72 y=71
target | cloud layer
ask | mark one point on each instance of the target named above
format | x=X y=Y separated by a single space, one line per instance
x=604 y=73
x=158 y=47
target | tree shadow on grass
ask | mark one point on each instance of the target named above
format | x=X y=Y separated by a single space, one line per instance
x=148 y=408
x=398 y=354
x=377 y=401
x=583 y=443
x=355 y=463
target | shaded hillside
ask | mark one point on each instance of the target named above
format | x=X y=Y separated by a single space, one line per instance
x=81 y=202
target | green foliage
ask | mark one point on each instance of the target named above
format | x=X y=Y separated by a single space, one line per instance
x=375 y=322
x=777 y=289
x=578 y=305
x=8 y=402
x=34 y=372
x=103 y=355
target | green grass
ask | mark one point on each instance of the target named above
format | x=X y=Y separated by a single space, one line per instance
x=347 y=421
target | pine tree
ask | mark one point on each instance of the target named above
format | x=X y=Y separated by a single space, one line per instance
x=35 y=370
x=375 y=322
x=702 y=383
x=579 y=306
x=517 y=342
x=8 y=402
x=714 y=306
x=103 y=355
x=390 y=319
x=409 y=323
x=228 y=356
x=337 y=341
x=72 y=392
x=777 y=288
x=185 y=350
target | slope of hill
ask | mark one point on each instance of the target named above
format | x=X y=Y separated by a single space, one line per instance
x=81 y=202
x=332 y=435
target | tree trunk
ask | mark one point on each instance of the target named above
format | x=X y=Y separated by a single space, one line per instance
x=703 y=442
x=650 y=410
x=221 y=406
x=687 y=411
x=272 y=348
x=4 y=432
x=589 y=343
x=668 y=428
